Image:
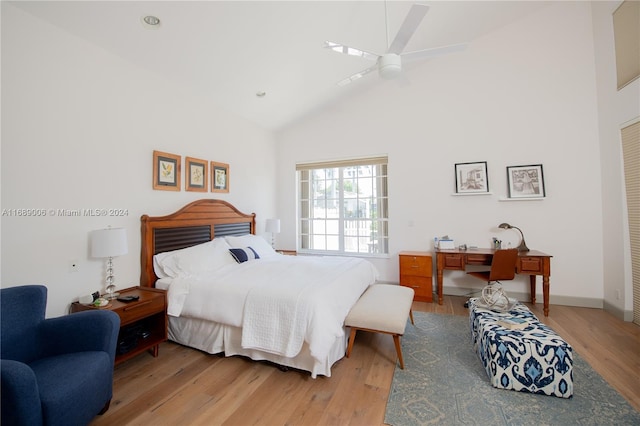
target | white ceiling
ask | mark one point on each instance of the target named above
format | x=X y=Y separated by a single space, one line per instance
x=229 y=50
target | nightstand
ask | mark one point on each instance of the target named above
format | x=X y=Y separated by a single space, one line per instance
x=287 y=252
x=416 y=271
x=143 y=323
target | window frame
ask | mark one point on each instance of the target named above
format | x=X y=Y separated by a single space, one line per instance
x=379 y=196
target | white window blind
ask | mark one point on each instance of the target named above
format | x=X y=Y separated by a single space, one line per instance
x=343 y=206
x=631 y=154
x=626 y=30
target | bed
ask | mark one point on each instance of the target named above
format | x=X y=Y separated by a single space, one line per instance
x=229 y=292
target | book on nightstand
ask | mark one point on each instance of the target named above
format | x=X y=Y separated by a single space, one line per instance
x=513 y=323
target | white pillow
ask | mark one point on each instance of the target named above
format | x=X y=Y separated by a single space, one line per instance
x=157 y=265
x=259 y=244
x=211 y=258
x=205 y=257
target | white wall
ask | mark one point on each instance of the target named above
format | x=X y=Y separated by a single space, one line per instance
x=79 y=126
x=615 y=109
x=524 y=94
x=79 y=129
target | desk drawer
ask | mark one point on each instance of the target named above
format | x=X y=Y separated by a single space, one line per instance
x=422 y=286
x=453 y=261
x=416 y=265
x=530 y=265
x=478 y=259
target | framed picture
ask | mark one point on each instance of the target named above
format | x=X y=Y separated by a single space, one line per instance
x=166 y=171
x=219 y=177
x=525 y=181
x=196 y=174
x=471 y=178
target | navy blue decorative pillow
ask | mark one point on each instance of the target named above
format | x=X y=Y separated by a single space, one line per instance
x=244 y=254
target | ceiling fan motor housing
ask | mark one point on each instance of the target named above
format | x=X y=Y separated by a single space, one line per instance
x=389 y=65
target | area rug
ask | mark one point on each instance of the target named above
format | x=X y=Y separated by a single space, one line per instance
x=443 y=382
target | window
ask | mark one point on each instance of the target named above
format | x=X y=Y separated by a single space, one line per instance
x=631 y=158
x=344 y=206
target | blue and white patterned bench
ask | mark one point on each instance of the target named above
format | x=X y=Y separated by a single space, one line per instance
x=534 y=359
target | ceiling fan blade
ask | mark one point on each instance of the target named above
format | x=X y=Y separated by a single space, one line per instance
x=352 y=51
x=409 y=26
x=433 y=52
x=357 y=75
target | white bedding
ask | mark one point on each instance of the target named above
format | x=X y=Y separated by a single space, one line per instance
x=215 y=338
x=280 y=302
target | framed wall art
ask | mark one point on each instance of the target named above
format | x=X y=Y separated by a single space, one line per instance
x=196 y=174
x=219 y=177
x=471 y=178
x=166 y=171
x=525 y=181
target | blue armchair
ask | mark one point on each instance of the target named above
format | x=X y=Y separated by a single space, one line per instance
x=56 y=371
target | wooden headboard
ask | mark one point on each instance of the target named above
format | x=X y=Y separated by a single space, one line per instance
x=195 y=223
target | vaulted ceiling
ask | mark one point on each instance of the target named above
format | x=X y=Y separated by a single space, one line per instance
x=229 y=51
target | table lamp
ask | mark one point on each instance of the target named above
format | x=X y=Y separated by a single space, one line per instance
x=523 y=245
x=273 y=226
x=108 y=243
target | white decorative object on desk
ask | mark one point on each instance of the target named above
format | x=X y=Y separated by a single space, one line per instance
x=446 y=244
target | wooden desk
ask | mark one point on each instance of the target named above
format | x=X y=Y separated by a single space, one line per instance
x=531 y=263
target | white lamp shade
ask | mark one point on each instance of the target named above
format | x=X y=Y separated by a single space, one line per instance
x=108 y=242
x=273 y=226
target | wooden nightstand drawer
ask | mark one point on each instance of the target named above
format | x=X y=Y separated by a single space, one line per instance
x=141 y=308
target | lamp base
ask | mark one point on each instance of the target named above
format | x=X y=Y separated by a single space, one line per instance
x=111 y=296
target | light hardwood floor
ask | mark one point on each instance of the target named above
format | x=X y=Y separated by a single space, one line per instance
x=187 y=387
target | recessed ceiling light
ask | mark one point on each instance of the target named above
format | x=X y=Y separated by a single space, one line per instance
x=261 y=94
x=150 y=22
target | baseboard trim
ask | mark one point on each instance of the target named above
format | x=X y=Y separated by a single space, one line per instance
x=621 y=314
x=583 y=302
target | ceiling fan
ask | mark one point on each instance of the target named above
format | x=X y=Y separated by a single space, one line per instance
x=389 y=65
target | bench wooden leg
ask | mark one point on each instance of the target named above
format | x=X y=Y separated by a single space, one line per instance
x=411 y=316
x=396 y=340
x=352 y=337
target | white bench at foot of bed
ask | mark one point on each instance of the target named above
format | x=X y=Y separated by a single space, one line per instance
x=534 y=359
x=382 y=308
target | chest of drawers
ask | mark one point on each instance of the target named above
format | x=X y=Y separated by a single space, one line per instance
x=416 y=271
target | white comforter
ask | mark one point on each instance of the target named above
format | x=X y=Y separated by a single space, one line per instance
x=280 y=301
